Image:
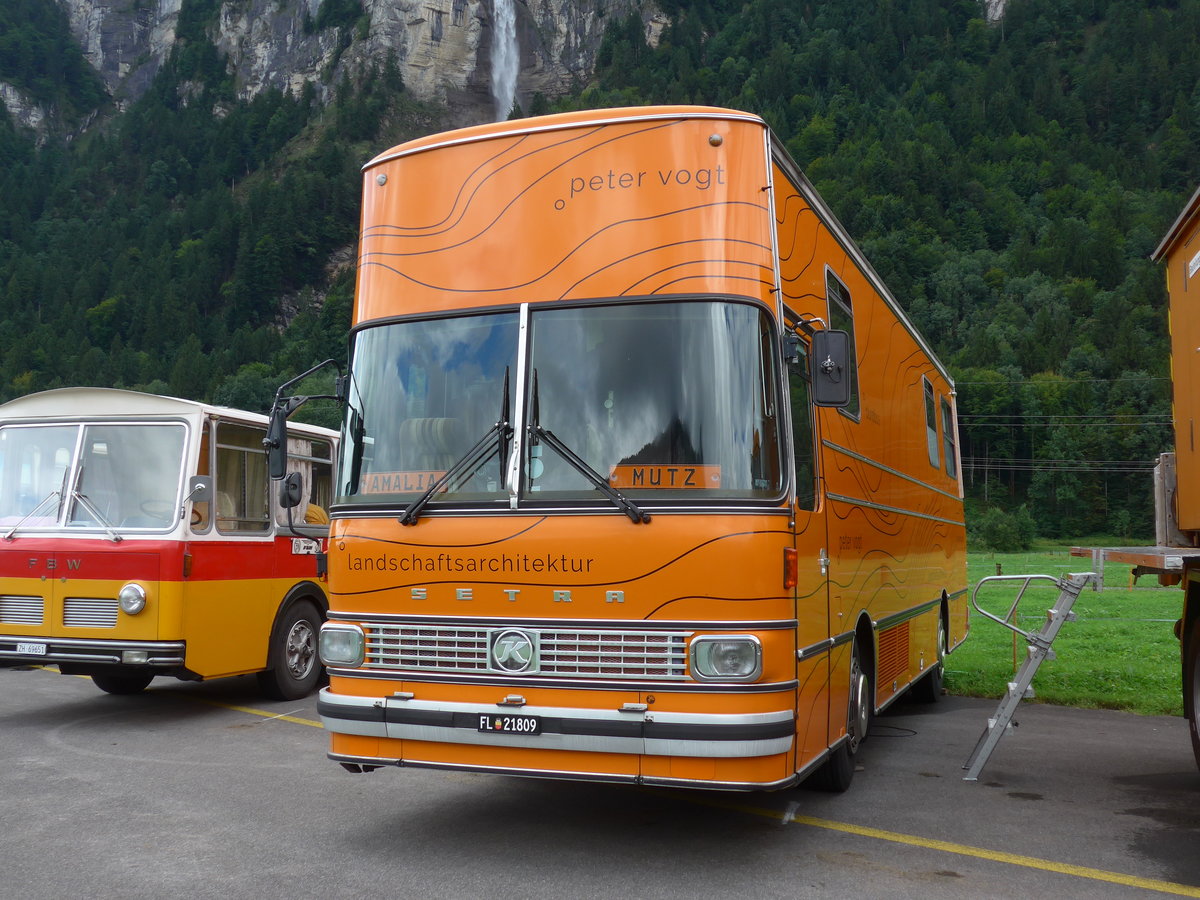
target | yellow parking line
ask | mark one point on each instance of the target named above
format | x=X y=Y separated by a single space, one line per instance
x=1012 y=859
x=266 y=714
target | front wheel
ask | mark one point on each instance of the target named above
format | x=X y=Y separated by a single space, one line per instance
x=293 y=667
x=837 y=772
x=123 y=682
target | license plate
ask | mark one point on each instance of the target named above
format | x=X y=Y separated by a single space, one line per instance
x=32 y=649
x=506 y=724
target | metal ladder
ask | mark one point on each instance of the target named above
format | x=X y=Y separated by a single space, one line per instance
x=1038 y=643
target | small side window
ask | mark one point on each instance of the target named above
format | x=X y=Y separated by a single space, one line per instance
x=948 y=435
x=931 y=430
x=841 y=317
x=312 y=458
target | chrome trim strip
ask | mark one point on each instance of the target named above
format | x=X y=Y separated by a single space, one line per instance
x=838 y=448
x=856 y=501
x=564 y=728
x=659 y=781
x=770 y=508
x=897 y=618
x=594 y=684
x=367 y=619
x=512 y=478
x=604 y=777
x=814 y=650
x=167 y=653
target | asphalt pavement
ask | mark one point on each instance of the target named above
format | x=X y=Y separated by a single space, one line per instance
x=206 y=790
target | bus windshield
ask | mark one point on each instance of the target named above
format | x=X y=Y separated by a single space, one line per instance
x=107 y=476
x=663 y=400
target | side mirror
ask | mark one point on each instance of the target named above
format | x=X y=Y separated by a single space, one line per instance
x=200 y=489
x=276 y=442
x=830 y=361
x=291 y=491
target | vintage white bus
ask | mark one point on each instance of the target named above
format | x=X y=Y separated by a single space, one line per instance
x=138 y=538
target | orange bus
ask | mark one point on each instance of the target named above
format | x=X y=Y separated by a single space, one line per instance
x=645 y=477
x=137 y=539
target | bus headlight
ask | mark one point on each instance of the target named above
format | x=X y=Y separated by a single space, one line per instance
x=342 y=645
x=132 y=599
x=726 y=657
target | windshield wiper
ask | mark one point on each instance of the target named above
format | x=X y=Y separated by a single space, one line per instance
x=539 y=434
x=91 y=509
x=29 y=515
x=470 y=461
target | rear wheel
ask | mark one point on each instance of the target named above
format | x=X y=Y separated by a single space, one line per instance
x=123 y=682
x=293 y=668
x=929 y=688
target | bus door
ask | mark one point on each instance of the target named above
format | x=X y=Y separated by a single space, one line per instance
x=232 y=568
x=812 y=567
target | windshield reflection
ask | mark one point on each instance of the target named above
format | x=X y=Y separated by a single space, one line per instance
x=102 y=476
x=668 y=400
x=664 y=399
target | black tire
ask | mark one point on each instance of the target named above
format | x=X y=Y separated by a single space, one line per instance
x=1191 y=685
x=293 y=667
x=928 y=688
x=837 y=772
x=123 y=682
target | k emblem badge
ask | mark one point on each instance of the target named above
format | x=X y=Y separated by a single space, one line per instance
x=514 y=651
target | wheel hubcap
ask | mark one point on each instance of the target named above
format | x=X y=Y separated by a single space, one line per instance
x=301 y=650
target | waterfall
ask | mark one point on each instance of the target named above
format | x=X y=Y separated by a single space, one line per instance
x=506 y=57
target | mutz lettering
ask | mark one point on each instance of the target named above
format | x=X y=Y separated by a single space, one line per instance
x=455 y=564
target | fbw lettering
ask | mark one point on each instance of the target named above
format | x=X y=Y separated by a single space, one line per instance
x=53 y=564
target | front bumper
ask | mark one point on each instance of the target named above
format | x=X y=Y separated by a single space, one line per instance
x=625 y=731
x=22 y=648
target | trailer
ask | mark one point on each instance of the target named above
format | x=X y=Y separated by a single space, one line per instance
x=1175 y=557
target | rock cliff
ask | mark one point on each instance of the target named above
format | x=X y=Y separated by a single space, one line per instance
x=443 y=48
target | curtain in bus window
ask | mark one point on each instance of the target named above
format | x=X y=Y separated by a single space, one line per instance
x=241 y=479
x=662 y=399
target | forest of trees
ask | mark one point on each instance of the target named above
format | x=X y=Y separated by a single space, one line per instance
x=1009 y=180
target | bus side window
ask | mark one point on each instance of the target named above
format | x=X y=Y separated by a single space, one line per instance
x=313 y=460
x=841 y=317
x=802 y=430
x=202 y=510
x=951 y=450
x=241 y=483
x=931 y=430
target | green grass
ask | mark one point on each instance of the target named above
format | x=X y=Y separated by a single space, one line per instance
x=1120 y=653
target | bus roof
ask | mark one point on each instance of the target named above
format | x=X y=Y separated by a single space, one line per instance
x=561 y=120
x=76 y=403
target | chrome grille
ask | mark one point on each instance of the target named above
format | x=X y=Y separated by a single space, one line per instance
x=573 y=653
x=22 y=610
x=90 y=612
